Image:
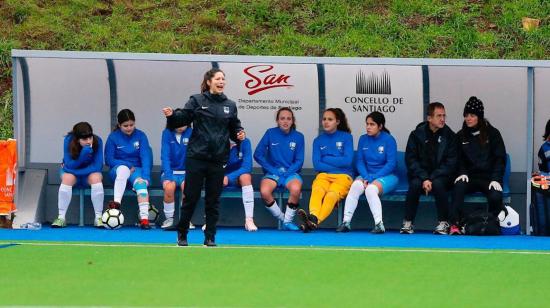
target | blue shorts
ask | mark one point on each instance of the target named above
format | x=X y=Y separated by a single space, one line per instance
x=283 y=181
x=389 y=182
x=81 y=181
x=235 y=183
x=133 y=176
x=178 y=177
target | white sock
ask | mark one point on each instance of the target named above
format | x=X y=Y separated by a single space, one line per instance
x=122 y=175
x=143 y=210
x=98 y=197
x=169 y=209
x=63 y=199
x=289 y=215
x=371 y=192
x=352 y=199
x=248 y=201
x=276 y=211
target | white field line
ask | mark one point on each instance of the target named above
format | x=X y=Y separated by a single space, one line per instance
x=365 y=249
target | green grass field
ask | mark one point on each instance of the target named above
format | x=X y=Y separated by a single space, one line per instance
x=232 y=276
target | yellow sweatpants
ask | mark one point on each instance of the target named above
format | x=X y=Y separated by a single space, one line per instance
x=326 y=190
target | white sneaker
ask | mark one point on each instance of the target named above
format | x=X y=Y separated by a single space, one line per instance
x=169 y=222
x=98 y=223
x=249 y=224
x=191 y=225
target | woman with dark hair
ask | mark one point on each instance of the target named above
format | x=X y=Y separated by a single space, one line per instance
x=215 y=121
x=175 y=138
x=333 y=159
x=82 y=164
x=376 y=163
x=128 y=154
x=280 y=152
x=481 y=162
x=544 y=152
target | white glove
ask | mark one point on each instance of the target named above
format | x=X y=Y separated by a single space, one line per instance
x=495 y=185
x=463 y=178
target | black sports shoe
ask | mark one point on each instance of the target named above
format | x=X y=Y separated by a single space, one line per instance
x=304 y=226
x=344 y=227
x=209 y=242
x=313 y=222
x=182 y=239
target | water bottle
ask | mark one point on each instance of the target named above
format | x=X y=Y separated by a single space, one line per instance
x=31 y=226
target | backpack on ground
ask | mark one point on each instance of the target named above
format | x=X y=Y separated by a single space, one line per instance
x=481 y=222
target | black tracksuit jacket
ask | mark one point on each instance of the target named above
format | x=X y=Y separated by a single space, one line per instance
x=486 y=161
x=215 y=121
x=417 y=154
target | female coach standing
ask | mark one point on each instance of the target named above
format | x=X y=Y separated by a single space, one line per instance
x=215 y=121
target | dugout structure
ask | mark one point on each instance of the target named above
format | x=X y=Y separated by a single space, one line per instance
x=55 y=89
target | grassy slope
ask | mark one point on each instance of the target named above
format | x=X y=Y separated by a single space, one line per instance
x=363 y=28
x=104 y=276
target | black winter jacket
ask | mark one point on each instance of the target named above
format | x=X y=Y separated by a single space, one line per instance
x=215 y=120
x=420 y=165
x=486 y=161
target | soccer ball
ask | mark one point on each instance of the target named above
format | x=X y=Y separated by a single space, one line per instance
x=153 y=213
x=112 y=218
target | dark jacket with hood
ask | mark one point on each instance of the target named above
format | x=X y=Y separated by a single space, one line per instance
x=486 y=161
x=419 y=158
x=214 y=119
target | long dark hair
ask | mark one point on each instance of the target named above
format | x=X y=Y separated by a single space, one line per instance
x=208 y=76
x=547 y=130
x=123 y=116
x=340 y=116
x=483 y=126
x=293 y=126
x=81 y=130
x=379 y=119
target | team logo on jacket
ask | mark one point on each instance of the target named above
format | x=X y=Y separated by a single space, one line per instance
x=185 y=141
x=240 y=155
x=136 y=145
x=439 y=139
x=381 y=149
x=339 y=145
x=292 y=145
x=225 y=109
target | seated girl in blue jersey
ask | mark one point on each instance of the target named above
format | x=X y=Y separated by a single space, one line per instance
x=82 y=164
x=175 y=138
x=281 y=155
x=333 y=159
x=128 y=154
x=376 y=163
x=238 y=173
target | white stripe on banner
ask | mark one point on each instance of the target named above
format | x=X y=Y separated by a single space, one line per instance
x=366 y=249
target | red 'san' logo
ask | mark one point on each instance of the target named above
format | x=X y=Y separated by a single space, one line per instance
x=261 y=81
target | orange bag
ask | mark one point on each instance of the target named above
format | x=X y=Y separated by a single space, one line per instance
x=8 y=171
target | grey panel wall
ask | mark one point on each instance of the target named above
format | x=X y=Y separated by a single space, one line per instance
x=503 y=91
x=64 y=92
x=146 y=87
x=542 y=109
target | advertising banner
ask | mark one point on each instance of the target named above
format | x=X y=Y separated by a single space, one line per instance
x=395 y=91
x=260 y=89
